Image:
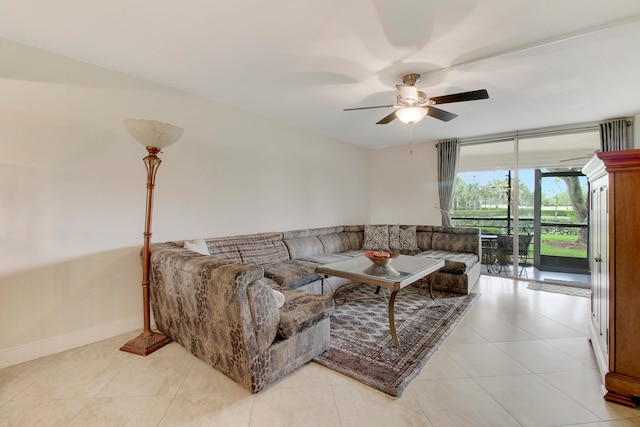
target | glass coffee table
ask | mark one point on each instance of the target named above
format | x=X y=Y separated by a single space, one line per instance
x=399 y=273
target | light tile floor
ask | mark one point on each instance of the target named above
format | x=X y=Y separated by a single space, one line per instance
x=519 y=358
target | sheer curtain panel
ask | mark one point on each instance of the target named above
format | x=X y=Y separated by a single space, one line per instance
x=614 y=135
x=448 y=157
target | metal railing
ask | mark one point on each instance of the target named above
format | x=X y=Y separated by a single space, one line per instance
x=493 y=225
x=503 y=225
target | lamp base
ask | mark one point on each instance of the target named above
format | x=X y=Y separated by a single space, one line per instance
x=144 y=345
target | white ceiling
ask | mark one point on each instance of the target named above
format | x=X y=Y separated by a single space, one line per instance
x=543 y=62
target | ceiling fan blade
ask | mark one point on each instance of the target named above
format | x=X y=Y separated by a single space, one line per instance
x=439 y=114
x=575 y=158
x=408 y=92
x=387 y=119
x=368 y=108
x=462 y=96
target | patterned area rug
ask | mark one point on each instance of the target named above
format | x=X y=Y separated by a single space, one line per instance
x=361 y=345
x=560 y=289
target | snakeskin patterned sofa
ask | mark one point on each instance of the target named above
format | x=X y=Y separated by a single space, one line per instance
x=220 y=304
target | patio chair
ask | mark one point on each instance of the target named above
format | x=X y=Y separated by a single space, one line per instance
x=504 y=253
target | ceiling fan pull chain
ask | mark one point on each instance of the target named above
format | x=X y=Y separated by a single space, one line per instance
x=411 y=139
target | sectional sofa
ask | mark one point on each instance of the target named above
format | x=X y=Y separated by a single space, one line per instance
x=253 y=307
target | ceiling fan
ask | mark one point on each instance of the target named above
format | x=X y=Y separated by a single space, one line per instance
x=412 y=105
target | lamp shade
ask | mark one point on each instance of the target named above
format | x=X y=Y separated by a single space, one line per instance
x=411 y=115
x=151 y=133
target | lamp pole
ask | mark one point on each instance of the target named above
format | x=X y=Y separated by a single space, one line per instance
x=149 y=132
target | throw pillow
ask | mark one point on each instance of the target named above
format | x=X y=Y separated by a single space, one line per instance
x=198 y=245
x=376 y=238
x=394 y=237
x=279 y=297
x=408 y=239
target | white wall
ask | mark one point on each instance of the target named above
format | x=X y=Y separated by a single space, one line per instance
x=72 y=192
x=405 y=186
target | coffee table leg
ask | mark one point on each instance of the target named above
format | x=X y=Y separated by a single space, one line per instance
x=431 y=293
x=392 y=322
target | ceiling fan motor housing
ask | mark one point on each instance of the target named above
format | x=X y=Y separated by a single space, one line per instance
x=411 y=79
x=411 y=101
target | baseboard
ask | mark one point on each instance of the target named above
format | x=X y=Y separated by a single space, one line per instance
x=34 y=350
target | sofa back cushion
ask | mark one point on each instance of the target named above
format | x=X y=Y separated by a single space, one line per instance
x=356 y=239
x=335 y=243
x=256 y=249
x=311 y=232
x=302 y=247
x=424 y=239
x=456 y=239
x=304 y=243
x=224 y=247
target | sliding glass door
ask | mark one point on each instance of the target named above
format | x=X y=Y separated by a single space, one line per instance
x=562 y=221
x=528 y=191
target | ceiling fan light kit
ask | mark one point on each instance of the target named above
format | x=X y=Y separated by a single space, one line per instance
x=412 y=105
x=411 y=115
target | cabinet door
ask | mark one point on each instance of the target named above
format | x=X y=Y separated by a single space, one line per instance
x=599 y=263
x=603 y=272
x=594 y=257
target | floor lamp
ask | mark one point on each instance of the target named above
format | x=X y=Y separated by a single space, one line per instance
x=154 y=136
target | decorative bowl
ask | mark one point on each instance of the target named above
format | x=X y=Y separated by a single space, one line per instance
x=380 y=257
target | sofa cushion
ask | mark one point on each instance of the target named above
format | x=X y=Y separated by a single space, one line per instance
x=376 y=238
x=292 y=273
x=454 y=262
x=451 y=267
x=301 y=310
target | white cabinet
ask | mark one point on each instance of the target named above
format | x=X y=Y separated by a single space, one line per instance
x=599 y=261
x=615 y=259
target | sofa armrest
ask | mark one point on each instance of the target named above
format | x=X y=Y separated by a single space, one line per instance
x=265 y=313
x=202 y=303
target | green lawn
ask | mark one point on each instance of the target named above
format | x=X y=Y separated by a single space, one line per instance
x=562 y=245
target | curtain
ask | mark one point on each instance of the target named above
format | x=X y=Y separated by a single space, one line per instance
x=448 y=157
x=614 y=135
